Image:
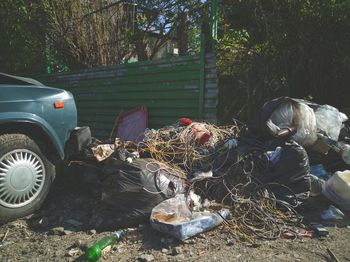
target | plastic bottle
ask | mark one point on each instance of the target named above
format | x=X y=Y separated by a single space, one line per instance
x=94 y=252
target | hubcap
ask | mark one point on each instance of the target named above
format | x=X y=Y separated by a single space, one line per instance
x=22 y=177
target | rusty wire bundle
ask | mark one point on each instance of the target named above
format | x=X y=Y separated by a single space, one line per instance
x=178 y=146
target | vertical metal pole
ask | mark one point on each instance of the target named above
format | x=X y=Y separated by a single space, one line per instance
x=214 y=22
x=201 y=77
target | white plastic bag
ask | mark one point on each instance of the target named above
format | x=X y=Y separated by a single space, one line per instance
x=305 y=119
x=297 y=115
x=330 y=120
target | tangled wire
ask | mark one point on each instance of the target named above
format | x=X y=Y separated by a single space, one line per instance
x=255 y=209
x=235 y=185
x=179 y=146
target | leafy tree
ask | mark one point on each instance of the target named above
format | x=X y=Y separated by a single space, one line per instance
x=271 y=48
x=22 y=42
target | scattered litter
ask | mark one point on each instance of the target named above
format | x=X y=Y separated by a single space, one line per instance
x=73 y=252
x=259 y=174
x=43 y=222
x=332 y=213
x=337 y=189
x=316 y=185
x=318 y=170
x=102 y=152
x=319 y=229
x=59 y=231
x=274 y=156
x=174 y=217
x=102 y=247
x=297 y=233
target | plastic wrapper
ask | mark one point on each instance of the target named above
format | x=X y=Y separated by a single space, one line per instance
x=174 y=217
x=330 y=120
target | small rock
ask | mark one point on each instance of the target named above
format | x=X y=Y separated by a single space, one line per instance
x=177 y=251
x=59 y=231
x=230 y=242
x=190 y=241
x=92 y=232
x=165 y=251
x=81 y=244
x=78 y=243
x=5 y=243
x=15 y=225
x=67 y=232
x=146 y=258
x=73 y=252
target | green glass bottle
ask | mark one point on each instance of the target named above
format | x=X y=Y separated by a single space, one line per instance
x=95 y=252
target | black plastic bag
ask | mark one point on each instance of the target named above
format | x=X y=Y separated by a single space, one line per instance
x=289 y=177
x=130 y=191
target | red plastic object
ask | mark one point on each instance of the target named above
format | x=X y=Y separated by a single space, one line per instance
x=185 y=121
x=298 y=233
x=131 y=125
x=204 y=138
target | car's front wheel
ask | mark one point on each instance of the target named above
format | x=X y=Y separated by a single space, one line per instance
x=26 y=175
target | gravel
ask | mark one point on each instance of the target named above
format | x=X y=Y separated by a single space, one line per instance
x=41 y=237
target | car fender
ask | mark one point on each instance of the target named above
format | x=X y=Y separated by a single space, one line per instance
x=23 y=117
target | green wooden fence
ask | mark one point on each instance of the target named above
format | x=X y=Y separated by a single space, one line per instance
x=169 y=88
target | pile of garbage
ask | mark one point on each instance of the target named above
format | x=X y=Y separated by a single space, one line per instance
x=192 y=176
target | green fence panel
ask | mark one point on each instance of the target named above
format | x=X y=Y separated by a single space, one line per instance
x=168 y=88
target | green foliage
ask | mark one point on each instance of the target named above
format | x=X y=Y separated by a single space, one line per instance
x=61 y=34
x=22 y=42
x=270 y=48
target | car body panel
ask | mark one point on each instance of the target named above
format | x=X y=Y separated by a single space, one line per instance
x=35 y=104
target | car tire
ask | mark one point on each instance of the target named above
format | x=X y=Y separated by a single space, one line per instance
x=26 y=175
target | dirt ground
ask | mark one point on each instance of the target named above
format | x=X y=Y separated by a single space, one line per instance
x=63 y=228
